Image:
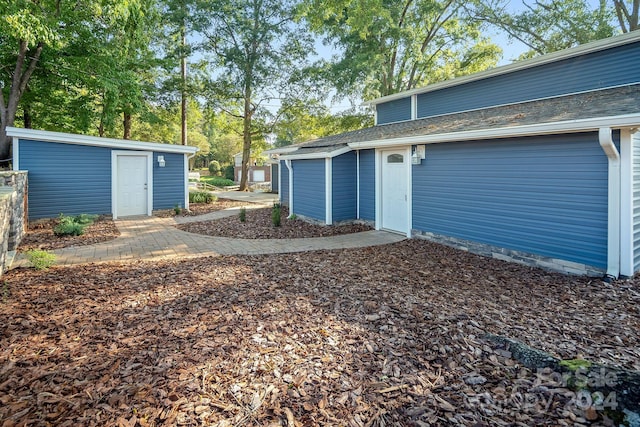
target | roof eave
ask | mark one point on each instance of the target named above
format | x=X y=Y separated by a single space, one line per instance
x=70 y=138
x=583 y=49
x=569 y=126
x=321 y=155
x=280 y=150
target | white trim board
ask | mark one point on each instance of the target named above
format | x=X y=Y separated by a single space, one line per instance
x=569 y=126
x=114 y=178
x=75 y=139
x=322 y=155
x=584 y=49
x=328 y=188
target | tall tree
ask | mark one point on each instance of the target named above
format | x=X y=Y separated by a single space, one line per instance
x=256 y=46
x=389 y=46
x=548 y=26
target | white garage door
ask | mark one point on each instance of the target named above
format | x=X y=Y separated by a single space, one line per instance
x=258 y=176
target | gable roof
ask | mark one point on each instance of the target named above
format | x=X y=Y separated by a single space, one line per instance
x=560 y=55
x=96 y=141
x=617 y=107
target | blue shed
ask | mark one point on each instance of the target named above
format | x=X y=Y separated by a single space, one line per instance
x=536 y=162
x=74 y=174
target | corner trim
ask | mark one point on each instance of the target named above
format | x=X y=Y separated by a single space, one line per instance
x=15 y=142
x=626 y=203
x=613 y=231
x=328 y=190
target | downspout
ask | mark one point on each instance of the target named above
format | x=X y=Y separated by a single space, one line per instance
x=613 y=231
x=288 y=164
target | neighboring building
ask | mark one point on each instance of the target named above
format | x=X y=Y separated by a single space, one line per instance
x=257 y=174
x=537 y=161
x=74 y=174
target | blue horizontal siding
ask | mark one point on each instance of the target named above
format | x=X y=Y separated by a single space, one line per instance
x=284 y=183
x=606 y=68
x=274 y=177
x=367 y=185
x=64 y=178
x=309 y=188
x=168 y=181
x=394 y=111
x=543 y=195
x=344 y=200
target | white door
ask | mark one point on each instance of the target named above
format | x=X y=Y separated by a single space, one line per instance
x=394 y=190
x=132 y=185
x=258 y=176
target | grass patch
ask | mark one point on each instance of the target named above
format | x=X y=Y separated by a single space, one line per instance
x=217 y=181
x=201 y=197
x=41 y=260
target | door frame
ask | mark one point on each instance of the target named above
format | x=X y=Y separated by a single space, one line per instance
x=379 y=167
x=115 y=154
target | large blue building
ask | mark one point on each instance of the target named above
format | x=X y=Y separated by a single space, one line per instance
x=537 y=162
x=74 y=174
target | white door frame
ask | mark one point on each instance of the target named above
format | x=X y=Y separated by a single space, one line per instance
x=114 y=178
x=378 y=185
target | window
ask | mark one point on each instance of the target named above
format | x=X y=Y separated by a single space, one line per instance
x=395 y=158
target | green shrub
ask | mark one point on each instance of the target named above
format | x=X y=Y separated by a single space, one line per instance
x=217 y=181
x=40 y=260
x=177 y=209
x=243 y=214
x=73 y=225
x=275 y=214
x=214 y=167
x=230 y=173
x=201 y=197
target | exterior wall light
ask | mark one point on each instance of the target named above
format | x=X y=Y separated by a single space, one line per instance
x=418 y=154
x=161 y=162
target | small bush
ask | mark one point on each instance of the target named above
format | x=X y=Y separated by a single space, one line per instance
x=177 y=209
x=41 y=260
x=73 y=225
x=230 y=173
x=275 y=214
x=214 y=167
x=243 y=214
x=218 y=181
x=201 y=197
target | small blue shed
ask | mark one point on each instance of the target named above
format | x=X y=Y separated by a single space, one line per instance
x=537 y=161
x=74 y=174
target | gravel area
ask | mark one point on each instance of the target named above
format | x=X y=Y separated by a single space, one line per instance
x=201 y=208
x=40 y=235
x=258 y=225
x=381 y=336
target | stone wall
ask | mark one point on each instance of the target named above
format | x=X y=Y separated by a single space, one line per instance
x=13 y=214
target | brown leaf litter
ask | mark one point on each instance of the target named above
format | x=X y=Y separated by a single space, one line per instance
x=381 y=336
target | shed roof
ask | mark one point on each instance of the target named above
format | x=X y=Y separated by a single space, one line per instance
x=123 y=144
x=620 y=101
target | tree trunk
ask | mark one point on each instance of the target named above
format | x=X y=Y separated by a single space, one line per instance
x=19 y=80
x=183 y=66
x=246 y=134
x=26 y=116
x=126 y=123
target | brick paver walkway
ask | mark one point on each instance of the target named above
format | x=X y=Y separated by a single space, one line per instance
x=158 y=238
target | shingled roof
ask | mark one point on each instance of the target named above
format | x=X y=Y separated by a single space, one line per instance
x=596 y=104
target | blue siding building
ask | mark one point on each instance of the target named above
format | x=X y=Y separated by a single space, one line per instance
x=536 y=162
x=74 y=174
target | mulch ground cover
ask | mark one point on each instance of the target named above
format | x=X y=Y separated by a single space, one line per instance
x=201 y=208
x=40 y=235
x=382 y=336
x=258 y=225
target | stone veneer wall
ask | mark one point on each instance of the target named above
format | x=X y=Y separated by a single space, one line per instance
x=13 y=214
x=547 y=263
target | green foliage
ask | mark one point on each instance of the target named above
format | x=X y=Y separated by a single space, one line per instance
x=243 y=214
x=201 y=197
x=41 y=260
x=230 y=173
x=73 y=225
x=177 y=209
x=293 y=217
x=387 y=47
x=276 y=212
x=217 y=181
x=214 y=167
x=548 y=26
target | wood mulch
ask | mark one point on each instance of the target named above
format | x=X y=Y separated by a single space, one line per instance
x=39 y=235
x=201 y=208
x=381 y=336
x=259 y=225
